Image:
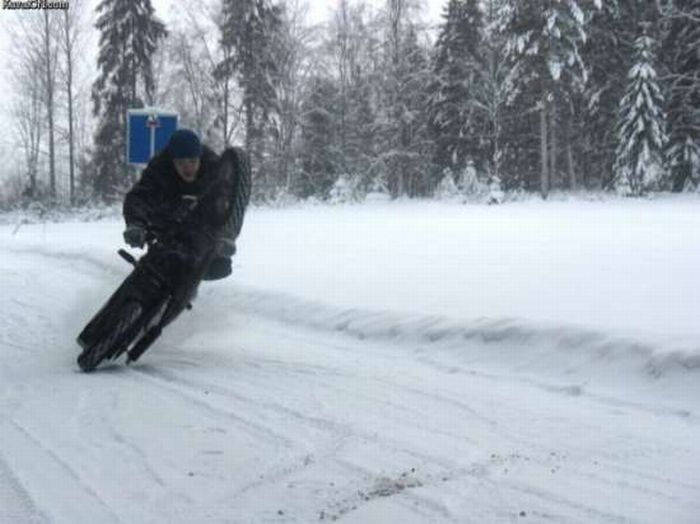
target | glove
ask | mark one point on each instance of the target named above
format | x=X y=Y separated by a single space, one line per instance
x=225 y=247
x=135 y=236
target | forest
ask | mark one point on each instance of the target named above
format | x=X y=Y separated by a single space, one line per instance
x=498 y=98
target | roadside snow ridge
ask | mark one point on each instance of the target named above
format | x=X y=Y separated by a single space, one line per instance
x=656 y=358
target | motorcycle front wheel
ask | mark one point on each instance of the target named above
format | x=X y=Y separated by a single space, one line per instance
x=125 y=325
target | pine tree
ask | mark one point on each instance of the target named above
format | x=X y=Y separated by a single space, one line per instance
x=494 y=92
x=454 y=113
x=292 y=58
x=680 y=53
x=249 y=31
x=129 y=35
x=546 y=38
x=362 y=130
x=639 y=165
x=608 y=61
x=320 y=157
x=608 y=54
x=355 y=48
x=403 y=124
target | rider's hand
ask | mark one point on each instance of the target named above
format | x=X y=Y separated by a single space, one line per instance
x=135 y=236
x=225 y=247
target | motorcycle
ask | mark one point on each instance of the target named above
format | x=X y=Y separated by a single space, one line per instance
x=161 y=285
x=165 y=279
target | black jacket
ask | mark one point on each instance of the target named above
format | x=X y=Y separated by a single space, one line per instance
x=221 y=191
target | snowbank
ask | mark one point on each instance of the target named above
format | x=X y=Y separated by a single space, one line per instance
x=575 y=288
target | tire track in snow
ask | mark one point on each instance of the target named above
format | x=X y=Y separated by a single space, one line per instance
x=15 y=503
x=652 y=486
x=163 y=381
x=535 y=453
x=141 y=457
x=658 y=488
x=329 y=426
x=621 y=467
x=300 y=456
x=337 y=435
x=60 y=477
x=548 y=497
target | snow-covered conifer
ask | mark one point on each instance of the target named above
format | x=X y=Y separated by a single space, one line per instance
x=639 y=165
x=447 y=187
x=129 y=35
x=403 y=124
x=354 y=41
x=546 y=38
x=680 y=55
x=608 y=58
x=249 y=30
x=458 y=65
x=319 y=162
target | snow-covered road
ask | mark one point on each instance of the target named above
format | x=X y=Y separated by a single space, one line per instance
x=259 y=406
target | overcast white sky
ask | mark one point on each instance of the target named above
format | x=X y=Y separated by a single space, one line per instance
x=319 y=10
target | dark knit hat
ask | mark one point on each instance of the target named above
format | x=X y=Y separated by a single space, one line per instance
x=184 y=143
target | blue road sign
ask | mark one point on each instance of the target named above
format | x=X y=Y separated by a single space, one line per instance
x=147 y=132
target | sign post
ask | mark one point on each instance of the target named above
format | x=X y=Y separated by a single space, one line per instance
x=148 y=131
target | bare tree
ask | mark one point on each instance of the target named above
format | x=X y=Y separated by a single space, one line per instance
x=211 y=91
x=71 y=31
x=193 y=87
x=355 y=34
x=27 y=70
x=296 y=63
x=344 y=53
x=49 y=63
x=28 y=118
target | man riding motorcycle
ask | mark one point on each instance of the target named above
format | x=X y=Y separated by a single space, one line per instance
x=188 y=206
x=184 y=186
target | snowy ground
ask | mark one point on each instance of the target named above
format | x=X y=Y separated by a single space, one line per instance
x=406 y=362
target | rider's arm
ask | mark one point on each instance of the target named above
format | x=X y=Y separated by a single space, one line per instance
x=143 y=199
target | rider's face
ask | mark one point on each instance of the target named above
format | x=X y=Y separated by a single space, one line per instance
x=187 y=168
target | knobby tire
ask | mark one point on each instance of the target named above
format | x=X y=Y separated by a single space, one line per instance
x=115 y=342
